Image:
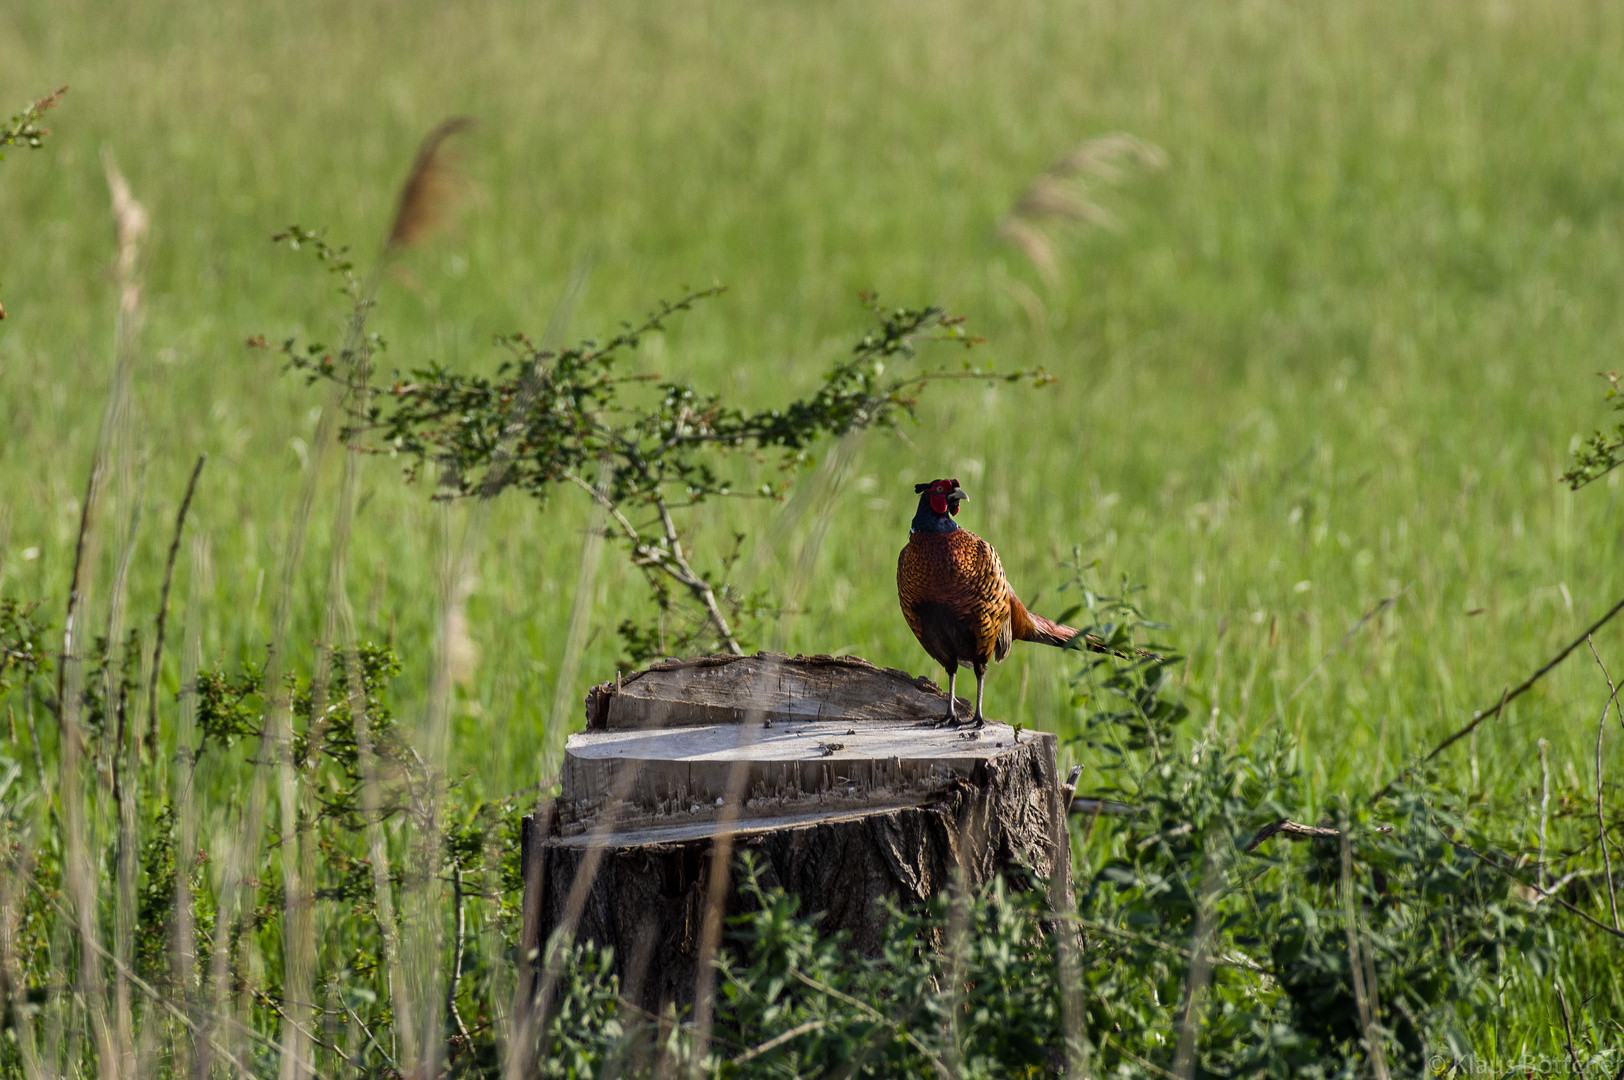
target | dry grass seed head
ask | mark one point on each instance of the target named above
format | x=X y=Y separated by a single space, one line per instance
x=430 y=189
x=1104 y=157
x=1061 y=194
x=129 y=227
x=1052 y=197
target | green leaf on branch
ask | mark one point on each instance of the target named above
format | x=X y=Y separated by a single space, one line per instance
x=1603 y=451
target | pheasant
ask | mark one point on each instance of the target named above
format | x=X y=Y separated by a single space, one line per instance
x=955 y=596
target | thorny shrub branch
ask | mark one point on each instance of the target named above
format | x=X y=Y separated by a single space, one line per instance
x=545 y=417
x=23 y=129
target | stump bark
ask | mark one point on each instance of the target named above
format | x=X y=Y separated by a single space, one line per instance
x=826 y=769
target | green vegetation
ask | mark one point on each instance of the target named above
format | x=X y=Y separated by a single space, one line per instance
x=1334 y=344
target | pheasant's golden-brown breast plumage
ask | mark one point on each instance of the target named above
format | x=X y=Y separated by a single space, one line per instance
x=955 y=597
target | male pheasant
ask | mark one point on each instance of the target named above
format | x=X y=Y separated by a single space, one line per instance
x=956 y=598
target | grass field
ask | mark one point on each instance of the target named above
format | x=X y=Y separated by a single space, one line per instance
x=1336 y=350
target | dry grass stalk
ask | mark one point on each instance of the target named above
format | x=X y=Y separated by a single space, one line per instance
x=719 y=880
x=83 y=875
x=113 y=1052
x=124 y=767
x=535 y=997
x=1362 y=968
x=183 y=945
x=377 y=848
x=424 y=199
x=1063 y=910
x=1199 y=974
x=1544 y=805
x=300 y=905
x=421 y=900
x=130 y=228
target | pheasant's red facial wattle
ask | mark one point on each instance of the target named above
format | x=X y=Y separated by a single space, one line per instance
x=940 y=496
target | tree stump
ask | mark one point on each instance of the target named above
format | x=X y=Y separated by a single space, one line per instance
x=826 y=768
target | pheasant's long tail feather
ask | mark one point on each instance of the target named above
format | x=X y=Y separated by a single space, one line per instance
x=1045 y=632
x=1030 y=627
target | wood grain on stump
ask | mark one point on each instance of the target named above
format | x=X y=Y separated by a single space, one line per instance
x=825 y=768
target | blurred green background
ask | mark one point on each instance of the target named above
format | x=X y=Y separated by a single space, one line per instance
x=1337 y=349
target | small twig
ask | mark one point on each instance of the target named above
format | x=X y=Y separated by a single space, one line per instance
x=304 y=1030
x=1567 y=1027
x=163 y=607
x=778 y=1040
x=867 y=1010
x=1101 y=806
x=456 y=954
x=1601 y=814
x=1069 y=789
x=1292 y=830
x=1513 y=694
x=668 y=560
x=368 y=1033
x=698 y=585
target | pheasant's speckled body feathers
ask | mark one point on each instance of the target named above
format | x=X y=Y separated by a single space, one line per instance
x=955 y=597
x=954 y=594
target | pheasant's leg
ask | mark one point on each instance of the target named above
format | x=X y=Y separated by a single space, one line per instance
x=950 y=720
x=981 y=685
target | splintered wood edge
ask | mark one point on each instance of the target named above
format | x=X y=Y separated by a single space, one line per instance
x=598 y=698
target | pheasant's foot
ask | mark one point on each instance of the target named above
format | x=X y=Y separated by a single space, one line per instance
x=973 y=723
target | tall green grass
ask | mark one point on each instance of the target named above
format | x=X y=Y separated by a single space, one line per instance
x=1337 y=350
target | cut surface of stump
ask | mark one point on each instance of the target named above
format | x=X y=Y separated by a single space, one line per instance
x=828 y=769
